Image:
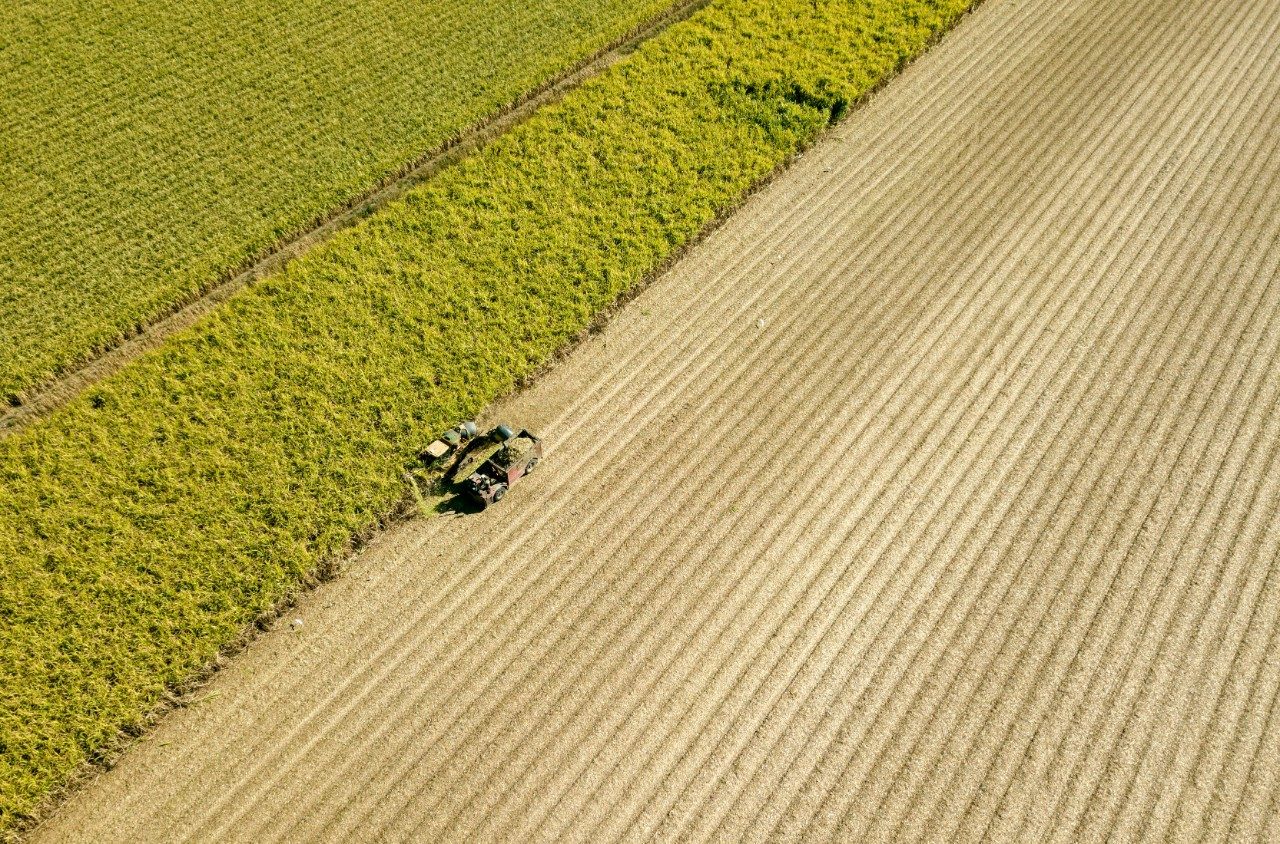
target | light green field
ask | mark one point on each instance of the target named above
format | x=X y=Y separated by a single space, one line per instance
x=149 y=149
x=144 y=524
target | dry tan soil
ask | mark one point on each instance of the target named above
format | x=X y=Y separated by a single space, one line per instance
x=934 y=497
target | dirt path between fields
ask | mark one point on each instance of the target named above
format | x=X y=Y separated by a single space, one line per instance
x=43 y=399
x=934 y=497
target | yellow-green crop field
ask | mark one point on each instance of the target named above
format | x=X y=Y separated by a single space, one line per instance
x=143 y=525
x=150 y=149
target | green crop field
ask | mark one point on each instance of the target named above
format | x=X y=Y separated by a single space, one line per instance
x=147 y=522
x=149 y=149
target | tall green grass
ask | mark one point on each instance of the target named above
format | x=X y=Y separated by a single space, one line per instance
x=147 y=522
x=148 y=149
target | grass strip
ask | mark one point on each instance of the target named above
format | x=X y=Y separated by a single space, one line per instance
x=144 y=524
x=151 y=149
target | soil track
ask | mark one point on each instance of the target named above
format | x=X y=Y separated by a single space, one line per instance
x=934 y=496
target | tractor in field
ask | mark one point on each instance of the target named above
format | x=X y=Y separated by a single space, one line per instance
x=486 y=466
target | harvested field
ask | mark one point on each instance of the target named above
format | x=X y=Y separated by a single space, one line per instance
x=1024 y=310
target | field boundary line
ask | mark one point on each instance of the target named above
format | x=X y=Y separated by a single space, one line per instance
x=42 y=399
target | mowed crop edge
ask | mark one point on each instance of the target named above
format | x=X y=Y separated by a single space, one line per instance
x=152 y=518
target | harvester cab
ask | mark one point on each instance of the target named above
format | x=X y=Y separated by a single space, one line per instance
x=450 y=441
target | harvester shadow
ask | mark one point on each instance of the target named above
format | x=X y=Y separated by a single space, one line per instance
x=456 y=505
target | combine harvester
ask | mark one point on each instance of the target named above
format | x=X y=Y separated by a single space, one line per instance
x=486 y=466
